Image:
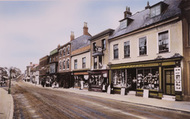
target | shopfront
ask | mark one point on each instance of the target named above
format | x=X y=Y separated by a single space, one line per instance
x=81 y=79
x=156 y=76
x=98 y=80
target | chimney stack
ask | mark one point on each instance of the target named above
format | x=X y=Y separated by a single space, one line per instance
x=72 y=36
x=127 y=13
x=148 y=6
x=30 y=63
x=85 y=29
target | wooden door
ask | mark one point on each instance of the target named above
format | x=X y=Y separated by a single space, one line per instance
x=169 y=78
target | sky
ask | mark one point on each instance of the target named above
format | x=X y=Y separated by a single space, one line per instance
x=30 y=29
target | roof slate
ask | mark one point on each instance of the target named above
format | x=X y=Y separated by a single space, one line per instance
x=143 y=19
x=80 y=42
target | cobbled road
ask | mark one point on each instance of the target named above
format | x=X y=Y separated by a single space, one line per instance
x=34 y=102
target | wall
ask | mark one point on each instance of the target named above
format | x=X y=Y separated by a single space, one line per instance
x=79 y=60
x=175 y=39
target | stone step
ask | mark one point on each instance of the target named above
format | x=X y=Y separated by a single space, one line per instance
x=168 y=97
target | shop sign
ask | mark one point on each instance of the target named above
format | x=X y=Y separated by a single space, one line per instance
x=177 y=77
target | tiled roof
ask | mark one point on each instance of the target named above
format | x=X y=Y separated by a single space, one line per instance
x=80 y=42
x=143 y=19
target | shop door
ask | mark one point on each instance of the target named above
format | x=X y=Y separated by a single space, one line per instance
x=169 y=76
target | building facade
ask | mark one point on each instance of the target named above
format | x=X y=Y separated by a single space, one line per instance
x=80 y=61
x=98 y=75
x=53 y=65
x=64 y=65
x=147 y=53
x=43 y=69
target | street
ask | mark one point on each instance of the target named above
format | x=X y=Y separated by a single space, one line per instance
x=32 y=101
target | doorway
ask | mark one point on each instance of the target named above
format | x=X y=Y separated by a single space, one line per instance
x=169 y=82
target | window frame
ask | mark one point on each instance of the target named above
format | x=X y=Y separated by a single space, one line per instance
x=139 y=51
x=114 y=50
x=63 y=64
x=83 y=63
x=75 y=64
x=94 y=46
x=156 y=10
x=158 y=49
x=125 y=56
x=68 y=63
x=68 y=50
x=103 y=44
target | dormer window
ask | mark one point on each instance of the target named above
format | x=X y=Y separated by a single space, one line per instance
x=156 y=10
x=123 y=24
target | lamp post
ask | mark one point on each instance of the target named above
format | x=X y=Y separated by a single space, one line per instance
x=9 y=89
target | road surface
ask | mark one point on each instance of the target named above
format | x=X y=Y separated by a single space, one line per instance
x=34 y=102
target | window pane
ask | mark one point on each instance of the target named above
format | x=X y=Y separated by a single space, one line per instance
x=163 y=42
x=142 y=46
x=115 y=47
x=126 y=49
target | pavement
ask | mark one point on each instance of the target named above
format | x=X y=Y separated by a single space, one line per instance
x=6 y=104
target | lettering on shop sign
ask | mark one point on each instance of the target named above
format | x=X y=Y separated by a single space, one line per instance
x=177 y=77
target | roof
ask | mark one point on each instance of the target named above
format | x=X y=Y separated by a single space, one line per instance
x=108 y=31
x=143 y=19
x=80 y=42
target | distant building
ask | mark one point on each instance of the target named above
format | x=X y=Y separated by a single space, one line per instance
x=43 y=69
x=53 y=64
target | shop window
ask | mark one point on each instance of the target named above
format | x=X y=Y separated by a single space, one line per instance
x=118 y=78
x=75 y=64
x=103 y=44
x=148 y=78
x=94 y=47
x=163 y=42
x=84 y=62
x=115 y=51
x=156 y=10
x=67 y=63
x=100 y=62
x=96 y=80
x=142 y=46
x=126 y=49
x=64 y=64
x=95 y=62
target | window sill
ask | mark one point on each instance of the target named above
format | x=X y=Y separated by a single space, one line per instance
x=116 y=59
x=126 y=57
x=163 y=53
x=142 y=55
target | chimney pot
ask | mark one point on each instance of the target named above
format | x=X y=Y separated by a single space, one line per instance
x=85 y=29
x=127 y=13
x=72 y=36
x=148 y=6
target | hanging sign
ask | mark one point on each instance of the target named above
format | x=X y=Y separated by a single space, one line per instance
x=177 y=77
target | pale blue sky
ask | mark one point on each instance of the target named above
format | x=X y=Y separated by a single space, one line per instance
x=29 y=30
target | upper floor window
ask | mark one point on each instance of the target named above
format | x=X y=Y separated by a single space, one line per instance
x=94 y=46
x=75 y=64
x=64 y=52
x=123 y=24
x=68 y=50
x=84 y=62
x=156 y=10
x=115 y=51
x=67 y=63
x=60 y=53
x=142 y=46
x=103 y=44
x=64 y=64
x=95 y=62
x=100 y=62
x=163 y=42
x=60 y=65
x=127 y=49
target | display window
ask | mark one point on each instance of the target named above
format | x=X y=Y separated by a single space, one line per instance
x=148 y=78
x=118 y=78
